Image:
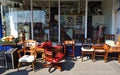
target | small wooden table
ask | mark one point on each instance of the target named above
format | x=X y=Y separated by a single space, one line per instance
x=9 y=43
x=115 y=49
x=69 y=43
x=41 y=50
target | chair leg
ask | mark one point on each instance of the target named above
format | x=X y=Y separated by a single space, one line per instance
x=43 y=56
x=33 y=66
x=118 y=57
x=105 y=57
x=94 y=56
x=55 y=66
x=18 y=66
x=52 y=66
x=58 y=66
x=82 y=56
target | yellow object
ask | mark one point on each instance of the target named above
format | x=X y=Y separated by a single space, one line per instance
x=11 y=38
x=6 y=39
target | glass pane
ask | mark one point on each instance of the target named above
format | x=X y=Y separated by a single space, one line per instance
x=47 y=30
x=72 y=20
x=18 y=19
x=95 y=26
x=4 y=10
x=40 y=20
x=53 y=24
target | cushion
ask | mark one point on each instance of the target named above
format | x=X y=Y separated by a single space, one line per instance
x=46 y=45
x=48 y=52
x=99 y=50
x=110 y=43
x=42 y=44
x=58 y=57
x=27 y=58
x=86 y=49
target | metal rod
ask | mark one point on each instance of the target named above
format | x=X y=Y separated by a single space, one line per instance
x=31 y=1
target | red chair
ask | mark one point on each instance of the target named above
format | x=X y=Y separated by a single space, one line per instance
x=44 y=45
x=52 y=57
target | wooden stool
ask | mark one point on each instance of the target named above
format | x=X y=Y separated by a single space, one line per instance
x=69 y=43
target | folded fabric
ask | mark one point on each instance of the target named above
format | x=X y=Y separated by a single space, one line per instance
x=110 y=43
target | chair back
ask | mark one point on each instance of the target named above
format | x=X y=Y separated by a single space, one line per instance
x=110 y=37
x=69 y=42
x=46 y=45
x=29 y=45
x=49 y=54
x=86 y=43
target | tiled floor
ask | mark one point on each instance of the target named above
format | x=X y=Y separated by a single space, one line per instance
x=87 y=67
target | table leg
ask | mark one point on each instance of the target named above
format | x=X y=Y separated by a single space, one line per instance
x=82 y=55
x=119 y=57
x=43 y=56
x=105 y=57
x=92 y=56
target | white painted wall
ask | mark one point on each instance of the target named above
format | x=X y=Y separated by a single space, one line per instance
x=107 y=10
x=97 y=20
x=117 y=19
x=117 y=24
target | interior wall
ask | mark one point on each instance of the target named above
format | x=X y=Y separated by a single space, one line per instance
x=107 y=6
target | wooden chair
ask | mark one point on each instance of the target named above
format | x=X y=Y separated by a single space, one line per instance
x=86 y=48
x=69 y=43
x=52 y=57
x=100 y=50
x=28 y=53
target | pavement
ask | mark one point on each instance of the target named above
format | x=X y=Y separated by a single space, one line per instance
x=70 y=67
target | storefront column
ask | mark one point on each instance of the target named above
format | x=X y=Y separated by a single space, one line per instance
x=86 y=8
x=59 y=21
x=31 y=1
x=0 y=27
